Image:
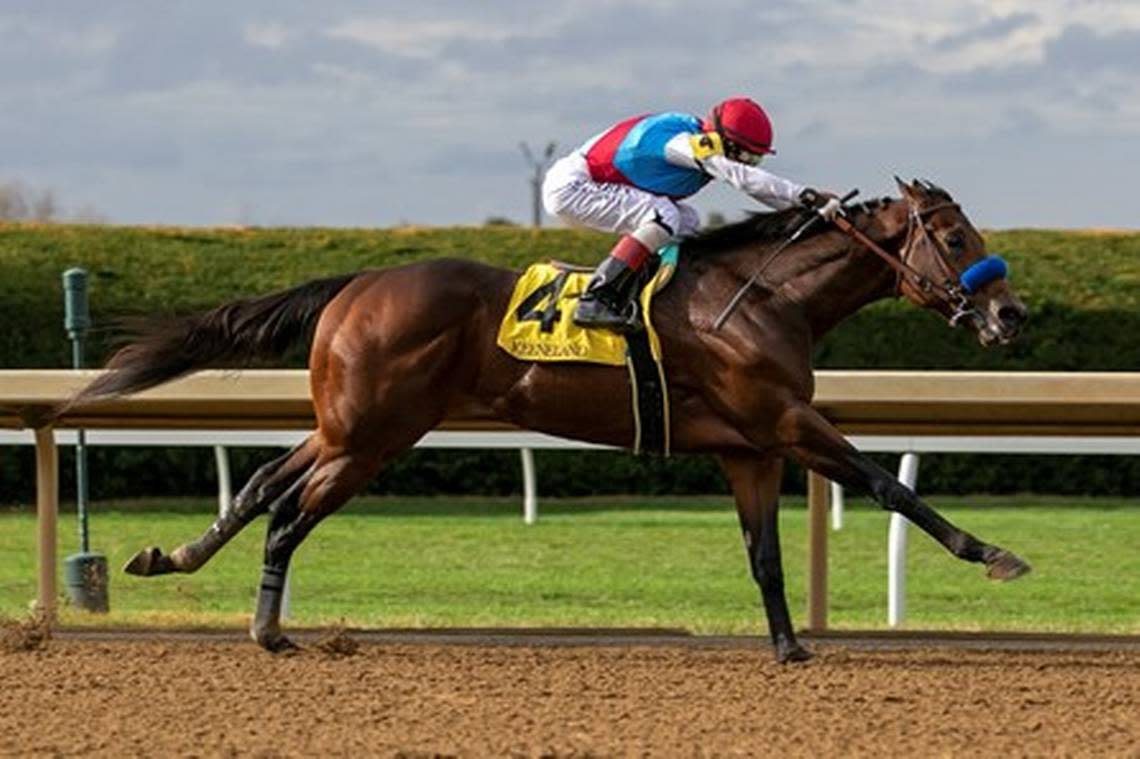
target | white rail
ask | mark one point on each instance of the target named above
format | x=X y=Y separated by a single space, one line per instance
x=911 y=412
x=526 y=442
x=221 y=440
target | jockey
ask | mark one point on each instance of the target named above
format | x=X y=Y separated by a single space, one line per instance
x=632 y=178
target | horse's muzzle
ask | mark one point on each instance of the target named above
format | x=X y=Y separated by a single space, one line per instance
x=1000 y=325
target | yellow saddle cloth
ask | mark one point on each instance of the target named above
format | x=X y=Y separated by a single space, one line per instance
x=538 y=325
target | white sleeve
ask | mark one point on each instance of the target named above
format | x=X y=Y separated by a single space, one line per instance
x=771 y=190
x=679 y=151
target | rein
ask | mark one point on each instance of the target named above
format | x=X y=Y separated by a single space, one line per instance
x=901 y=267
x=757 y=275
x=956 y=287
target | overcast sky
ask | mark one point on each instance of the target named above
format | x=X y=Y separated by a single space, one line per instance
x=283 y=112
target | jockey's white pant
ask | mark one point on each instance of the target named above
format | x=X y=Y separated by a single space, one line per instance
x=569 y=193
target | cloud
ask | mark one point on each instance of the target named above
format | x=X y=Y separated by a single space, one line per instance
x=1081 y=50
x=418 y=39
x=416 y=110
x=995 y=29
x=269 y=34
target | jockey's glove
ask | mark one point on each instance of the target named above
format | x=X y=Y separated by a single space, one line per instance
x=832 y=208
x=824 y=203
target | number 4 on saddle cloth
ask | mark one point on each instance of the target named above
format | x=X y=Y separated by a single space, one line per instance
x=538 y=326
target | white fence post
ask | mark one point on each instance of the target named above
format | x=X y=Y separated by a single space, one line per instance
x=836 y=506
x=530 y=497
x=225 y=486
x=896 y=547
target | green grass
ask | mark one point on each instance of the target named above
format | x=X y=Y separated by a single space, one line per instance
x=672 y=562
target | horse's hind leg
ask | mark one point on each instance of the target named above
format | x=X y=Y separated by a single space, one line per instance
x=382 y=375
x=267 y=485
x=319 y=492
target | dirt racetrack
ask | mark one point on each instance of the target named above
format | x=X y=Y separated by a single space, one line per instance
x=154 y=696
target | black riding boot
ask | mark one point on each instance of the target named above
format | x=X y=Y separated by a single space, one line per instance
x=607 y=301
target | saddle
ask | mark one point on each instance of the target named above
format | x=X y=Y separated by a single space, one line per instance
x=538 y=326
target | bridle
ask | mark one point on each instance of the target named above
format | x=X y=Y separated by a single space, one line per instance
x=954 y=290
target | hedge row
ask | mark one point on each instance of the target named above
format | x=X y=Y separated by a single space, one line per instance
x=132 y=473
x=1082 y=290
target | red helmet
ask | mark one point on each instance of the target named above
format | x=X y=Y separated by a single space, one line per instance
x=743 y=122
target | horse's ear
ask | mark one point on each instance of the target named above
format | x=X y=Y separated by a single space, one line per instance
x=932 y=189
x=908 y=191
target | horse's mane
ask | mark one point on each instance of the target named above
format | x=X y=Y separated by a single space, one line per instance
x=771 y=227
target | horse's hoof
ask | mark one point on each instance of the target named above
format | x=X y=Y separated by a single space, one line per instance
x=283 y=646
x=147 y=562
x=787 y=653
x=792 y=655
x=275 y=643
x=1005 y=566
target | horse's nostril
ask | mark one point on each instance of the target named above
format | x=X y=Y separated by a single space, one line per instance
x=1011 y=316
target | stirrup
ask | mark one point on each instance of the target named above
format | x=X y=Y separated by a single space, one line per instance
x=597 y=314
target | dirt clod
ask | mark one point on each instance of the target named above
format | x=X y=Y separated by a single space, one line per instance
x=337 y=643
x=31 y=633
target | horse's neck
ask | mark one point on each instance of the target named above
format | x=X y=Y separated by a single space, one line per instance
x=829 y=277
x=839 y=287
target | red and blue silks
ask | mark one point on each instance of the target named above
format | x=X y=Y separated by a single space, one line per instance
x=633 y=153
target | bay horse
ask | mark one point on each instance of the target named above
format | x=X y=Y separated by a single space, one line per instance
x=395 y=351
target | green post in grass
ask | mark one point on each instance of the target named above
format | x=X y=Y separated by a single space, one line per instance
x=85 y=573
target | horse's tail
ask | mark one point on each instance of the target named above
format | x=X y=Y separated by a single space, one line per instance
x=235 y=333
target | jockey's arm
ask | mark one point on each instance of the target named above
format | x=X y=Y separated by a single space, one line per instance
x=771 y=190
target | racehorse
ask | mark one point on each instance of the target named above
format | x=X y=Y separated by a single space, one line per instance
x=396 y=351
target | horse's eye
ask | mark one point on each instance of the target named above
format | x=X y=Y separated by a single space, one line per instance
x=955 y=242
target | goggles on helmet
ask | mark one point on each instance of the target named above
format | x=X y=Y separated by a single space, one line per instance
x=737 y=153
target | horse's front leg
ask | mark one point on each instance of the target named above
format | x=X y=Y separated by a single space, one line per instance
x=755 y=484
x=816 y=444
